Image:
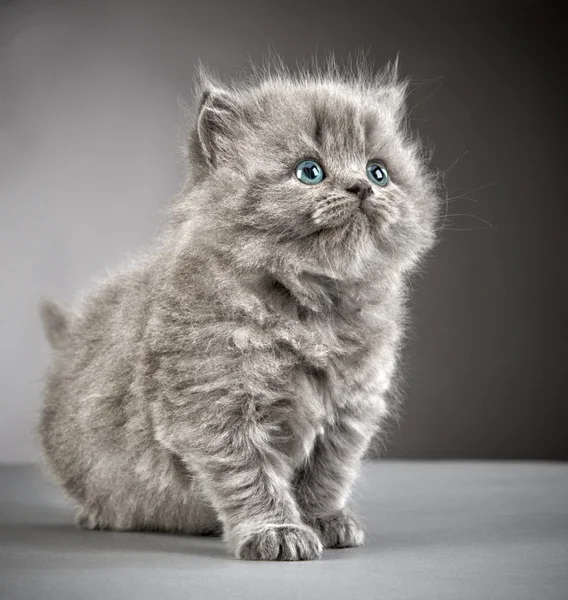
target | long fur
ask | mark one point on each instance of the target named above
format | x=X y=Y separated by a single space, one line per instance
x=231 y=379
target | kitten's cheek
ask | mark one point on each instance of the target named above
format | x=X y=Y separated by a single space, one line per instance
x=383 y=213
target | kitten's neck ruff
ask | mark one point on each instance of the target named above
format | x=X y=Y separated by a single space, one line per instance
x=286 y=279
x=321 y=294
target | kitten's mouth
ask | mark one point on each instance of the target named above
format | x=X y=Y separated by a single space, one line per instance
x=354 y=214
x=366 y=208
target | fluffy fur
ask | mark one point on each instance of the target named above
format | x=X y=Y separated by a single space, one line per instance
x=231 y=380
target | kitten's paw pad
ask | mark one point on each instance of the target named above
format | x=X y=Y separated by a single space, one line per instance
x=280 y=542
x=339 y=531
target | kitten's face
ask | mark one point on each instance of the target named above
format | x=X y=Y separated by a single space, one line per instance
x=325 y=165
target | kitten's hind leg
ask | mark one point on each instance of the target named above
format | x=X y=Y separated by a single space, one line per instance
x=205 y=523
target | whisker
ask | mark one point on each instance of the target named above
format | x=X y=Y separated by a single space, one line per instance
x=436 y=90
x=456 y=198
x=452 y=166
x=467 y=229
x=477 y=189
x=463 y=196
x=333 y=273
x=447 y=204
x=473 y=217
x=329 y=209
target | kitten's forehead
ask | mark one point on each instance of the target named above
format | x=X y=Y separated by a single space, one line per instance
x=329 y=116
x=339 y=120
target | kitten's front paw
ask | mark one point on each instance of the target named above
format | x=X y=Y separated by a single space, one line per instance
x=278 y=542
x=340 y=530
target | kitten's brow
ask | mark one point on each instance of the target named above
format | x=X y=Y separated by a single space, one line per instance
x=352 y=128
x=318 y=129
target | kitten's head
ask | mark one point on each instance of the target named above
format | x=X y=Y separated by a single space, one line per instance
x=316 y=165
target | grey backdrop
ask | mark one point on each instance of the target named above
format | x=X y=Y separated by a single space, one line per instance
x=89 y=125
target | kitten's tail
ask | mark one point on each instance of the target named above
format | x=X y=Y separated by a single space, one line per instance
x=55 y=320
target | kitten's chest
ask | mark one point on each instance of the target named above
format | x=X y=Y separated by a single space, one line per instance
x=339 y=387
x=338 y=360
x=342 y=370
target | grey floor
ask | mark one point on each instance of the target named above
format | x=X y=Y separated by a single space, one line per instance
x=445 y=530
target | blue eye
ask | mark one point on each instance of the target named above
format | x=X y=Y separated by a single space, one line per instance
x=310 y=172
x=377 y=173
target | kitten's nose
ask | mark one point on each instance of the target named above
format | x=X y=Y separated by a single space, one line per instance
x=361 y=189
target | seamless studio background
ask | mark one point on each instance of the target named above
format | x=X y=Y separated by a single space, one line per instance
x=89 y=133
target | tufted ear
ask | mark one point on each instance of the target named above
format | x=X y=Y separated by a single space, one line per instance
x=393 y=90
x=217 y=123
x=396 y=97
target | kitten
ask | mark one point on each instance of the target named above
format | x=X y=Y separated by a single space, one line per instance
x=233 y=378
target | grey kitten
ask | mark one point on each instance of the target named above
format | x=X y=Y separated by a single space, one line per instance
x=233 y=378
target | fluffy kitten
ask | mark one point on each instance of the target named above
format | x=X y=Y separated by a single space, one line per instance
x=232 y=379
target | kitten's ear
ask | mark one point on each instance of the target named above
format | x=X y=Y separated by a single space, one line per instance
x=395 y=98
x=393 y=91
x=217 y=121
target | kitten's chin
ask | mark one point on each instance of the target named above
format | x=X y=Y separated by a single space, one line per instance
x=362 y=241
